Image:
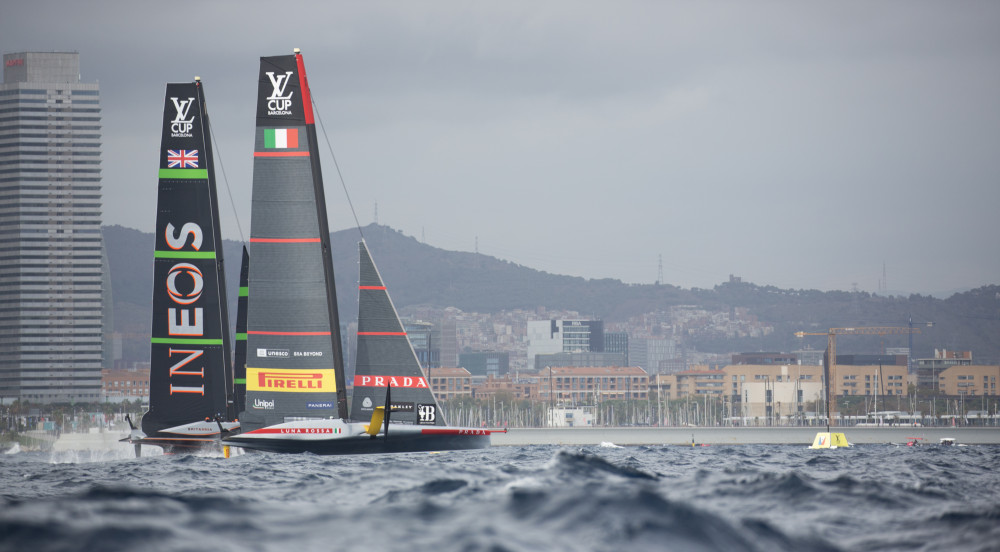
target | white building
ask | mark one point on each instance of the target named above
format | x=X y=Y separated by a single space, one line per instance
x=564 y=336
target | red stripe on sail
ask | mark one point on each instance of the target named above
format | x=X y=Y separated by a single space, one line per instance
x=281 y=154
x=372 y=287
x=284 y=240
x=381 y=333
x=260 y=332
x=307 y=109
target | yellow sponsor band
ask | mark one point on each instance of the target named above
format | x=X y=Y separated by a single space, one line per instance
x=291 y=381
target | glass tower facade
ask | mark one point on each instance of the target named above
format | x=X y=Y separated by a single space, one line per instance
x=51 y=324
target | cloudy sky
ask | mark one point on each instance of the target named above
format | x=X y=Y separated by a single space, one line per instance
x=796 y=144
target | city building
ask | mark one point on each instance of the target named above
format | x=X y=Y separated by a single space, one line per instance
x=871 y=360
x=50 y=224
x=486 y=363
x=448 y=383
x=809 y=356
x=765 y=358
x=447 y=345
x=969 y=380
x=579 y=358
x=579 y=416
x=665 y=386
x=617 y=342
x=870 y=380
x=701 y=382
x=763 y=391
x=587 y=385
x=655 y=355
x=564 y=336
x=928 y=369
x=125 y=385
x=517 y=388
x=421 y=336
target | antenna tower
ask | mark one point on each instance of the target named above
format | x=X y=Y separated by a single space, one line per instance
x=885 y=282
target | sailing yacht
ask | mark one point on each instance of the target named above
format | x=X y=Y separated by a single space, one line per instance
x=296 y=395
x=191 y=380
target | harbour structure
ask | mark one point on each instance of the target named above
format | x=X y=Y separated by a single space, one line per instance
x=50 y=226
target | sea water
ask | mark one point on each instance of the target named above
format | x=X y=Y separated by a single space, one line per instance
x=750 y=497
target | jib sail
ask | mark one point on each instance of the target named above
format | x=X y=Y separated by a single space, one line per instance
x=386 y=357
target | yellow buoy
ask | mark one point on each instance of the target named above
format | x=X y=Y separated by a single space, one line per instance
x=825 y=440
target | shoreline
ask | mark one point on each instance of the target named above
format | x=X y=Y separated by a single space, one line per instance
x=653 y=436
x=628 y=436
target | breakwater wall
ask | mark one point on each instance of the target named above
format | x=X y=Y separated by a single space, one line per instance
x=739 y=435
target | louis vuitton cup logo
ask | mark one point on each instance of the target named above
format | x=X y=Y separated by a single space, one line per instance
x=279 y=103
x=181 y=126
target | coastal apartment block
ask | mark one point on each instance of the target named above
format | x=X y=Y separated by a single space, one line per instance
x=969 y=380
x=587 y=385
x=448 y=383
x=50 y=227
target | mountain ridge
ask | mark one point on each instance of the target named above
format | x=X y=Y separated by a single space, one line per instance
x=420 y=274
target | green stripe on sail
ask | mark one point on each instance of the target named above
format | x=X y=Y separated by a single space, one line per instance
x=184 y=341
x=244 y=291
x=184 y=174
x=240 y=381
x=184 y=254
x=269 y=138
x=241 y=337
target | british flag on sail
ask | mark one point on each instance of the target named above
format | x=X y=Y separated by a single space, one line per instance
x=182 y=159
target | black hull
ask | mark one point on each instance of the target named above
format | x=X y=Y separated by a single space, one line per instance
x=364 y=444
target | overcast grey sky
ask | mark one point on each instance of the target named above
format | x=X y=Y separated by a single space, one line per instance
x=795 y=144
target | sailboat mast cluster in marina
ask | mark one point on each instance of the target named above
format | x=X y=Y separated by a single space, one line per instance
x=288 y=382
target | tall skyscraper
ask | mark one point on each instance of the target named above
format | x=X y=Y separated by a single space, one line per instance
x=50 y=231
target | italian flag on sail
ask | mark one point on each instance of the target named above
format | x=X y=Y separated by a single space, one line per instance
x=281 y=138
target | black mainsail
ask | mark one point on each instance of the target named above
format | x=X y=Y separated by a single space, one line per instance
x=190 y=352
x=294 y=360
x=386 y=358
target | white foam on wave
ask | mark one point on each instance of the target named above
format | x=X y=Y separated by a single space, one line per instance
x=608 y=444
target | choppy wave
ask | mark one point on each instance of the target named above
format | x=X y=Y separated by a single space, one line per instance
x=755 y=498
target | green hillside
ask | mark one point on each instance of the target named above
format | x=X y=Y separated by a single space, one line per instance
x=419 y=274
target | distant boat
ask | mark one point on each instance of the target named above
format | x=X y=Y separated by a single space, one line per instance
x=296 y=398
x=190 y=374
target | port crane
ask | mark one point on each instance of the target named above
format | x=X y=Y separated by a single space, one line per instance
x=830 y=358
